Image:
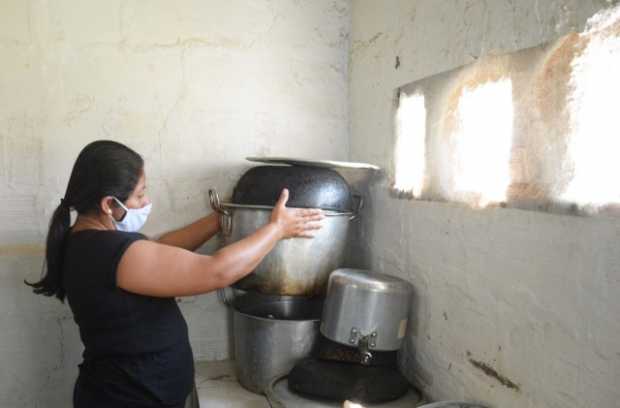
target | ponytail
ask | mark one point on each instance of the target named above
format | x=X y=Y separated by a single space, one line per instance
x=103 y=168
x=51 y=283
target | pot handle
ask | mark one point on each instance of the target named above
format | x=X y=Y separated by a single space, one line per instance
x=225 y=215
x=216 y=204
x=358 y=207
x=225 y=296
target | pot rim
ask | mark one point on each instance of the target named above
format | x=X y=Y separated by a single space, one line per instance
x=255 y=299
x=327 y=213
x=279 y=321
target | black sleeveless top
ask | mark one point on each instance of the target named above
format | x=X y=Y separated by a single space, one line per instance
x=136 y=348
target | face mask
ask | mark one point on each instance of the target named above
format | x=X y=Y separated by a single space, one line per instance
x=134 y=218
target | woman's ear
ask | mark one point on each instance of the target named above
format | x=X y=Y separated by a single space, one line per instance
x=106 y=205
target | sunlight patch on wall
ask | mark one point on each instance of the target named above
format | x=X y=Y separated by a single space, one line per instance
x=593 y=154
x=410 y=149
x=536 y=129
x=483 y=142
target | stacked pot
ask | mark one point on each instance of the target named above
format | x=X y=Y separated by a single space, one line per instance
x=276 y=320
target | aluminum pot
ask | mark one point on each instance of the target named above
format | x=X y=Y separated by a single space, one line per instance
x=271 y=334
x=366 y=310
x=297 y=266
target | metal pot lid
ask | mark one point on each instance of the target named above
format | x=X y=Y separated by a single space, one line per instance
x=309 y=187
x=328 y=164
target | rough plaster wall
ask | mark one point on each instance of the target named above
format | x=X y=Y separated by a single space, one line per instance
x=194 y=86
x=515 y=308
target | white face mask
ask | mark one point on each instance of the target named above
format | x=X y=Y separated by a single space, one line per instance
x=134 y=218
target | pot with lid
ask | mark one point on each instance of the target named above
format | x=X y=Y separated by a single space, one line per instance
x=296 y=266
x=363 y=323
x=366 y=310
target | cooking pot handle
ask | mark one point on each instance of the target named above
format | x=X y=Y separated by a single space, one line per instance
x=225 y=296
x=216 y=204
x=225 y=216
x=358 y=207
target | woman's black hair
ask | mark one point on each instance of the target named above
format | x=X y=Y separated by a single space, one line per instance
x=103 y=168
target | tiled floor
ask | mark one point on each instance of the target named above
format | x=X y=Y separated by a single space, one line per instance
x=218 y=387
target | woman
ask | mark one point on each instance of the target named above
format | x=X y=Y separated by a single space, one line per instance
x=121 y=285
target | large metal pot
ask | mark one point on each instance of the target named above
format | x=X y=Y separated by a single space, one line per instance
x=366 y=310
x=297 y=266
x=272 y=333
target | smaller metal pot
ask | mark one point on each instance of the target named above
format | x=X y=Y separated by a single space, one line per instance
x=272 y=333
x=366 y=310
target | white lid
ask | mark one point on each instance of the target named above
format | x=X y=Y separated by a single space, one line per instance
x=330 y=164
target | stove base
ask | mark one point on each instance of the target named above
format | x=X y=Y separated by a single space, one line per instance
x=340 y=381
x=279 y=395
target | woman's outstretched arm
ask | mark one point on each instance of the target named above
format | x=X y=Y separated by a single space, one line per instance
x=155 y=269
x=194 y=235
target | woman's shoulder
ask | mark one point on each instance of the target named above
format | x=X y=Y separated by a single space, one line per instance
x=86 y=234
x=98 y=252
x=84 y=241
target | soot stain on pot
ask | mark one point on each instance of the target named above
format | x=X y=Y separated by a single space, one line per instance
x=491 y=372
x=288 y=288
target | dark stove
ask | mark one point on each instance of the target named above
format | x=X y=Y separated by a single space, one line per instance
x=338 y=372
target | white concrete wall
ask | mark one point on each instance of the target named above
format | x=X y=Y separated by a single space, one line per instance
x=194 y=86
x=535 y=297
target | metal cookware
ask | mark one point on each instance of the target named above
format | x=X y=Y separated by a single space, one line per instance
x=309 y=187
x=328 y=164
x=366 y=310
x=272 y=333
x=297 y=266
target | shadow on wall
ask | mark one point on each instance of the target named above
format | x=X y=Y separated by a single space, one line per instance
x=357 y=254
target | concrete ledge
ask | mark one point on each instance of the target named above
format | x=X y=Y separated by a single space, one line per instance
x=218 y=387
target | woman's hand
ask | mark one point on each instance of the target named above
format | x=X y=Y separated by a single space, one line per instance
x=295 y=222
